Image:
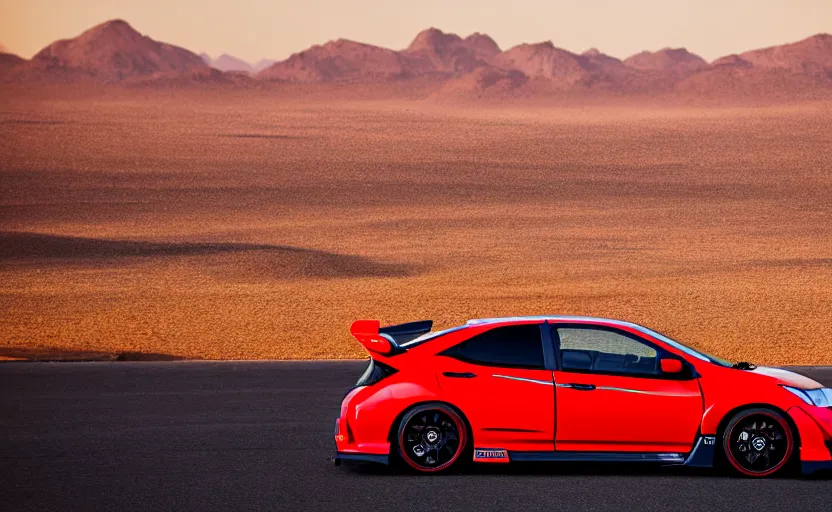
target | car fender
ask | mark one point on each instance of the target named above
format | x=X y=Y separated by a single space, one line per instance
x=725 y=392
x=372 y=417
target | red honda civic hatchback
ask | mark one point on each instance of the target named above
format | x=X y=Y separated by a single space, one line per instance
x=576 y=389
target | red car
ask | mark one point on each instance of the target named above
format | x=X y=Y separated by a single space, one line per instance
x=573 y=389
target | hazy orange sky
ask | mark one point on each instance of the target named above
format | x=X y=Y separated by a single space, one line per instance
x=254 y=29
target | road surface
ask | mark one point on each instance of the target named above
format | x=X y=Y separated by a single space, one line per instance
x=258 y=436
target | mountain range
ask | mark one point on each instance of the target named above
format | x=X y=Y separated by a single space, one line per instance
x=108 y=53
x=469 y=67
x=227 y=62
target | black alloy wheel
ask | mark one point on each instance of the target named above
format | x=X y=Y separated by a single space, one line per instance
x=431 y=438
x=758 y=442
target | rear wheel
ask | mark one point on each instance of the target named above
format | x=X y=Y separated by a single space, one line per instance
x=431 y=438
x=758 y=442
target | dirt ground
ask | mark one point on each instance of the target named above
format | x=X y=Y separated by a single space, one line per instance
x=247 y=226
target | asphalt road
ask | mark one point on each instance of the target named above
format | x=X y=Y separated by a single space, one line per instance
x=258 y=436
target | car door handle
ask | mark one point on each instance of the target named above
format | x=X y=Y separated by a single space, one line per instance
x=579 y=387
x=459 y=375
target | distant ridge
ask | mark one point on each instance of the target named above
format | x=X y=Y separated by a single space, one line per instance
x=545 y=60
x=8 y=62
x=339 y=61
x=431 y=52
x=435 y=51
x=485 y=82
x=811 y=55
x=796 y=70
x=110 y=52
x=440 y=63
x=667 y=59
x=227 y=62
x=262 y=64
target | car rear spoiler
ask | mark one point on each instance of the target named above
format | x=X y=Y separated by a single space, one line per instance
x=387 y=341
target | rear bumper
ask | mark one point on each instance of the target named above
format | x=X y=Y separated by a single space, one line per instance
x=347 y=449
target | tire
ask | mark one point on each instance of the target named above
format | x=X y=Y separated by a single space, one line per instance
x=431 y=438
x=758 y=442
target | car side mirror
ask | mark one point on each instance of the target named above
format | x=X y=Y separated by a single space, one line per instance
x=671 y=365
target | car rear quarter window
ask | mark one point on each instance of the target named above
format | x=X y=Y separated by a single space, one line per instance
x=512 y=346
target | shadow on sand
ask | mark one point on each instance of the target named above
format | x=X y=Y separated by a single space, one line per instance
x=275 y=261
x=48 y=354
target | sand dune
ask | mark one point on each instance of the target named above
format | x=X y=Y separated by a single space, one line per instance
x=54 y=354
x=709 y=224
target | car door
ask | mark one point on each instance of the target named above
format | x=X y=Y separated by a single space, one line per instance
x=500 y=380
x=612 y=395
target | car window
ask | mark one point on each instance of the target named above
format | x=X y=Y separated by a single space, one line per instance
x=605 y=351
x=512 y=346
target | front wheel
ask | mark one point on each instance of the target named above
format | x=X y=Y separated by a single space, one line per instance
x=431 y=438
x=758 y=442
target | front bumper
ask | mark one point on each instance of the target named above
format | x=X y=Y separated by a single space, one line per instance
x=814 y=425
x=809 y=468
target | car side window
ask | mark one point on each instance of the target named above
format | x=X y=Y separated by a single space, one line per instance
x=512 y=346
x=605 y=351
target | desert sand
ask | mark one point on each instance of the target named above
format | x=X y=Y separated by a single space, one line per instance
x=260 y=225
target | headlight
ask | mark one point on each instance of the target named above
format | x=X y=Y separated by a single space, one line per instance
x=820 y=397
x=817 y=397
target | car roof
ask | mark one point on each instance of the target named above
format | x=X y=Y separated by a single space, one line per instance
x=564 y=319
x=512 y=319
x=550 y=318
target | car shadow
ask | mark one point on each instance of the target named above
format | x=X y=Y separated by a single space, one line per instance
x=572 y=470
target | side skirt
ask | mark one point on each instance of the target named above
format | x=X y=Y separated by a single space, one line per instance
x=360 y=457
x=702 y=456
x=810 y=468
x=555 y=456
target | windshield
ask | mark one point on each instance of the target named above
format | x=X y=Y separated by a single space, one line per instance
x=687 y=350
